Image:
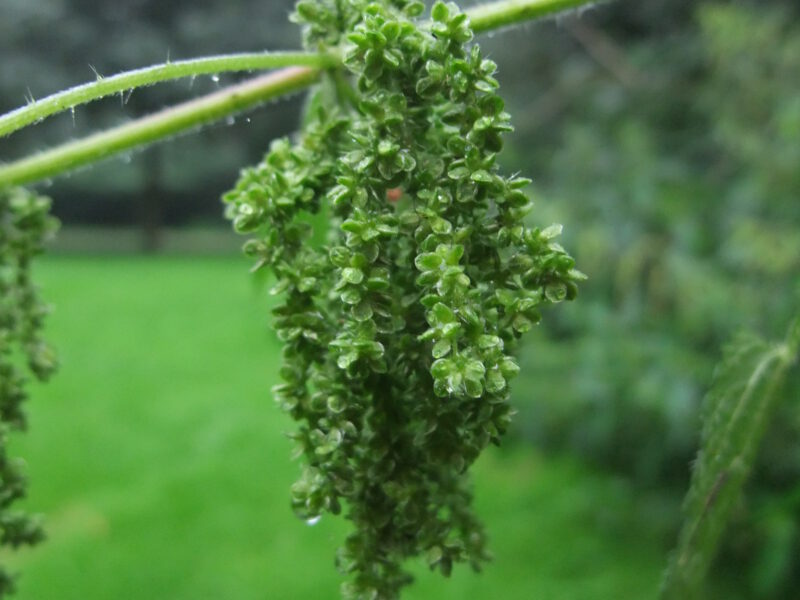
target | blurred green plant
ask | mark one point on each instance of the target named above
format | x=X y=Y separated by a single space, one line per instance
x=25 y=225
x=690 y=166
x=736 y=414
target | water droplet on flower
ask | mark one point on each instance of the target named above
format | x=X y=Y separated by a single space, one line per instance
x=313 y=521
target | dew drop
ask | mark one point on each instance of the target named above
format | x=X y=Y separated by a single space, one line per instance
x=247 y=120
x=72 y=112
x=215 y=78
x=313 y=521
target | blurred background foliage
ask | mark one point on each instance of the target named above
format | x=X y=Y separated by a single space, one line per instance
x=675 y=167
x=665 y=135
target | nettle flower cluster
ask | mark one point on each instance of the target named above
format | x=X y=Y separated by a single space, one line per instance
x=25 y=225
x=398 y=331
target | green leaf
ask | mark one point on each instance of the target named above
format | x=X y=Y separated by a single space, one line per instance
x=474 y=369
x=387 y=148
x=458 y=172
x=442 y=368
x=387 y=229
x=451 y=254
x=338 y=194
x=441 y=349
x=351 y=296
x=482 y=176
x=352 y=226
x=428 y=261
x=426 y=86
x=307 y=10
x=441 y=226
x=441 y=314
x=340 y=256
x=495 y=382
x=556 y=292
x=552 y=232
x=346 y=359
x=486 y=342
x=737 y=410
x=335 y=404
x=474 y=387
x=362 y=311
x=509 y=368
x=351 y=275
x=391 y=30
x=415 y=8
x=440 y=12
x=522 y=324
x=377 y=283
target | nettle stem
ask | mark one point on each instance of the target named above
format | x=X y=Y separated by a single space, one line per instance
x=306 y=67
x=118 y=84
x=158 y=126
x=496 y=15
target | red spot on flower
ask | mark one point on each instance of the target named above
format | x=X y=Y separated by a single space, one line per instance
x=394 y=194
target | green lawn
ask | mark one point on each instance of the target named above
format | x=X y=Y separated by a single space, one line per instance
x=159 y=460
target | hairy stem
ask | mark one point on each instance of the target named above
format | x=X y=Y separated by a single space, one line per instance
x=158 y=126
x=495 y=15
x=486 y=17
x=107 y=86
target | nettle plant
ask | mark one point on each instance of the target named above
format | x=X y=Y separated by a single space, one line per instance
x=399 y=332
